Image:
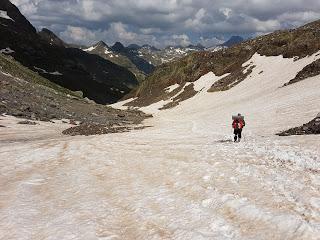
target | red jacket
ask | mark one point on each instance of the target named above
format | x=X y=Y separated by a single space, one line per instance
x=238 y=124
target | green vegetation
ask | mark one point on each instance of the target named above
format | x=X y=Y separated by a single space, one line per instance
x=10 y=66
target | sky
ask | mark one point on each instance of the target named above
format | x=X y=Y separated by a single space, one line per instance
x=165 y=22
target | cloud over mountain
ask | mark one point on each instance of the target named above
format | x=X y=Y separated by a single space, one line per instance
x=161 y=22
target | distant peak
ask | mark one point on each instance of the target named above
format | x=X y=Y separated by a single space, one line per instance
x=134 y=46
x=118 y=47
x=101 y=44
x=233 y=41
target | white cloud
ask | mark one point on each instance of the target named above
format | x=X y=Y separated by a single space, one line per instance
x=209 y=42
x=116 y=31
x=164 y=20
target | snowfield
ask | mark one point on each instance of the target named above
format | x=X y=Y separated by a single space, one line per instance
x=183 y=178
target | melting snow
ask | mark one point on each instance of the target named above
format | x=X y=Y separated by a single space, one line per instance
x=4 y=14
x=181 y=179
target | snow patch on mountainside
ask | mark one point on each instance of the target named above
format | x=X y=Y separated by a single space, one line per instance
x=56 y=73
x=90 y=49
x=6 y=50
x=120 y=104
x=205 y=82
x=172 y=88
x=107 y=51
x=4 y=14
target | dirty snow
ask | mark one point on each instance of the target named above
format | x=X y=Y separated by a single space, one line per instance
x=181 y=179
x=4 y=14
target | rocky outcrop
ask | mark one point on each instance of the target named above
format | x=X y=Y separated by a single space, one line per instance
x=310 y=70
x=312 y=127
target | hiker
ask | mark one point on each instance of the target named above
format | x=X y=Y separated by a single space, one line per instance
x=238 y=124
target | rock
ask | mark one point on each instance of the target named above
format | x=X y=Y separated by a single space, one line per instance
x=93 y=129
x=27 y=122
x=53 y=105
x=1 y=126
x=17 y=113
x=122 y=115
x=89 y=101
x=72 y=122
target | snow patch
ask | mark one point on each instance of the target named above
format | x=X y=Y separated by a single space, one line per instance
x=171 y=88
x=6 y=51
x=107 y=51
x=120 y=105
x=90 y=49
x=56 y=73
x=4 y=14
x=205 y=82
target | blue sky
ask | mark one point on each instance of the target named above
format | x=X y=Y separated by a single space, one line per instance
x=165 y=22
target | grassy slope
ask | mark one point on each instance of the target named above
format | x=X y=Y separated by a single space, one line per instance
x=14 y=68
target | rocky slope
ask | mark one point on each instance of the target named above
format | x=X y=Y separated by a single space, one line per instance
x=25 y=94
x=312 y=127
x=98 y=79
x=296 y=43
x=51 y=38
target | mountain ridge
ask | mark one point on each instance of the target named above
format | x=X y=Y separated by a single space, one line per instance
x=69 y=67
x=297 y=43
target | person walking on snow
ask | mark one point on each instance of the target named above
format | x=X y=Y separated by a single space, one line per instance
x=238 y=124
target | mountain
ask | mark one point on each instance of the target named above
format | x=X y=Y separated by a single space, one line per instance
x=98 y=79
x=168 y=54
x=142 y=64
x=51 y=38
x=118 y=54
x=118 y=47
x=174 y=82
x=233 y=41
x=134 y=46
